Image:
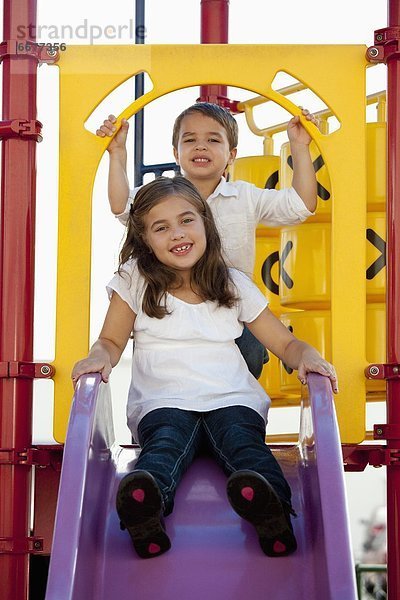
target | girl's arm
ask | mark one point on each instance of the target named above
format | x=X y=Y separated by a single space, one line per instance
x=293 y=352
x=106 y=351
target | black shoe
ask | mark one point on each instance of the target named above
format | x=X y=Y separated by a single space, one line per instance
x=255 y=500
x=140 y=507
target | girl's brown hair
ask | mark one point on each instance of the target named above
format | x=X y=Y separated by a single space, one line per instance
x=209 y=276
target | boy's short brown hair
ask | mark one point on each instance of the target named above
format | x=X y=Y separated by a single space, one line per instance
x=219 y=114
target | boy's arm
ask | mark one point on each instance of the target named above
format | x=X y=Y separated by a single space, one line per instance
x=304 y=179
x=118 y=184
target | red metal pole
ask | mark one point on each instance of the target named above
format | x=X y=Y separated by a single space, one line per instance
x=393 y=304
x=214 y=30
x=17 y=239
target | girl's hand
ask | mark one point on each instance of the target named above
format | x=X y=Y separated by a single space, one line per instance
x=109 y=128
x=92 y=364
x=312 y=362
x=295 y=130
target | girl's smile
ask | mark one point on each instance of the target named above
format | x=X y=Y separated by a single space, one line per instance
x=181 y=250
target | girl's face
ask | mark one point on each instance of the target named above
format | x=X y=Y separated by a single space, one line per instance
x=175 y=232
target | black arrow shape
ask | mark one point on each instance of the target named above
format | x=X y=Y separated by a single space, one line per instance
x=266 y=275
x=380 y=245
x=322 y=192
x=287 y=280
x=272 y=181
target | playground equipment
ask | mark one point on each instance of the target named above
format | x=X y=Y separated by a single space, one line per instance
x=337 y=316
x=215 y=555
x=304 y=302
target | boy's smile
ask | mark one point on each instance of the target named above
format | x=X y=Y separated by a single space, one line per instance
x=203 y=149
x=175 y=233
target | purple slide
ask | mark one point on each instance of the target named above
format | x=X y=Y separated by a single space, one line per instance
x=215 y=555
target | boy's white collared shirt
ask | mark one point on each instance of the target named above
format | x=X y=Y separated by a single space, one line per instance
x=238 y=207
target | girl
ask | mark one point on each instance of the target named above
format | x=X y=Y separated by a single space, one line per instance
x=190 y=385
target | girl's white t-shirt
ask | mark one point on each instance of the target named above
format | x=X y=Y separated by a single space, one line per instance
x=189 y=359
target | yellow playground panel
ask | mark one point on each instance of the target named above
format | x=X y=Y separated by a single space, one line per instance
x=326 y=262
x=303 y=303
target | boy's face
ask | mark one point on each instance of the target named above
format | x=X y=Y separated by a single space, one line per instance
x=203 y=149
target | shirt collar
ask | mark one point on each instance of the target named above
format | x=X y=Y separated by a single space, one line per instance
x=224 y=188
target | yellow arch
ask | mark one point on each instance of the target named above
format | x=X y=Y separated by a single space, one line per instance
x=89 y=73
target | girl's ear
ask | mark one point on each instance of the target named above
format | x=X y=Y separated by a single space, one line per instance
x=176 y=155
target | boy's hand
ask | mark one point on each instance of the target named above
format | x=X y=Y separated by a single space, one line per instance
x=295 y=130
x=312 y=362
x=109 y=128
x=92 y=364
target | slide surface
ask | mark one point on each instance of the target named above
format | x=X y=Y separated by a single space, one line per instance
x=215 y=555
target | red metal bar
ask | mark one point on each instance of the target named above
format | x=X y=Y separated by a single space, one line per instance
x=17 y=239
x=46 y=491
x=393 y=302
x=214 y=30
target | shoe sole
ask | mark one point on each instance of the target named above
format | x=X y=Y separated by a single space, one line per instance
x=139 y=507
x=254 y=499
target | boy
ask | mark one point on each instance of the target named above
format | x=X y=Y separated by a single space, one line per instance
x=205 y=138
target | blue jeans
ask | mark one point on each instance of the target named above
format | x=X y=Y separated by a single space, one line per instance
x=252 y=351
x=171 y=438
